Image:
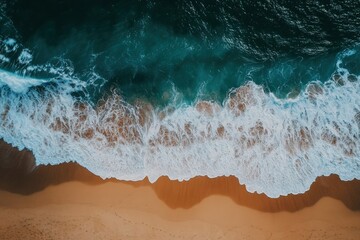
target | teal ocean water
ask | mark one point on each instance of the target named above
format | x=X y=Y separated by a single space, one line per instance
x=267 y=91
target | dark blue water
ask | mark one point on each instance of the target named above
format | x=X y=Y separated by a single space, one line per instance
x=144 y=48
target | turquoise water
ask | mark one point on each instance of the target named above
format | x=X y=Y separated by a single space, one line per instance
x=144 y=48
x=131 y=89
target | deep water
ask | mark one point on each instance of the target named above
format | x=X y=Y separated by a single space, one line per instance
x=287 y=70
x=143 y=48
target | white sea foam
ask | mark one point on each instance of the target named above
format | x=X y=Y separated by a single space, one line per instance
x=10 y=45
x=275 y=146
x=25 y=56
x=18 y=84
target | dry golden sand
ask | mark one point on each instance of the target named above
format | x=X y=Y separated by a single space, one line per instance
x=68 y=202
x=75 y=210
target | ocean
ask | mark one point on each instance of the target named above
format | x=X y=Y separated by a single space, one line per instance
x=267 y=91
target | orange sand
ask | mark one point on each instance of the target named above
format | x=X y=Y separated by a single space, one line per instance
x=68 y=202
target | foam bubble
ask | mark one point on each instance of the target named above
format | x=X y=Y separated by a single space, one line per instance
x=25 y=56
x=275 y=146
x=10 y=45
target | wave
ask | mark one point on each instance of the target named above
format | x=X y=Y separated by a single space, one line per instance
x=274 y=146
x=18 y=84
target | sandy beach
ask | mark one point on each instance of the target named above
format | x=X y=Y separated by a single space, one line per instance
x=194 y=120
x=68 y=202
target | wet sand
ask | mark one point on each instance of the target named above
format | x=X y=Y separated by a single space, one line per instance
x=68 y=202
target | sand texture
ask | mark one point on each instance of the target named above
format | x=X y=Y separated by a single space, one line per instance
x=69 y=202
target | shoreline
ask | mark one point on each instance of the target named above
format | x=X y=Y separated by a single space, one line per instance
x=116 y=210
x=23 y=177
x=68 y=202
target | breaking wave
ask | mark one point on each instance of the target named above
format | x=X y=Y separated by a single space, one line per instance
x=274 y=146
x=294 y=116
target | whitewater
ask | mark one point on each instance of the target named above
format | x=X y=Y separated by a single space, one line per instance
x=273 y=146
x=185 y=89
